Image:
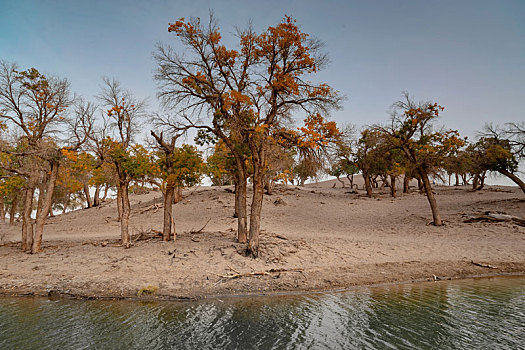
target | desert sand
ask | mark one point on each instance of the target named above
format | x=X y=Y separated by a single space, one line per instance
x=314 y=237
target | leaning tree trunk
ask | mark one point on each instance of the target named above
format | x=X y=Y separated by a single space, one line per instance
x=514 y=178
x=44 y=211
x=66 y=202
x=368 y=186
x=89 y=203
x=168 y=205
x=341 y=181
x=27 y=226
x=393 y=192
x=430 y=196
x=14 y=209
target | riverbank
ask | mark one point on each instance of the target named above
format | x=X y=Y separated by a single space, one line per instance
x=314 y=238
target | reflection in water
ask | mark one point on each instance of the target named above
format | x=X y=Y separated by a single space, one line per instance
x=482 y=313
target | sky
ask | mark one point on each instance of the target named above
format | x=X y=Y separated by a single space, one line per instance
x=468 y=56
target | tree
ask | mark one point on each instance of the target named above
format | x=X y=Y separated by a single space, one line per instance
x=35 y=107
x=178 y=167
x=124 y=112
x=246 y=94
x=411 y=132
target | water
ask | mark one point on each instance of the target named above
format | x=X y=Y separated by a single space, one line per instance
x=470 y=314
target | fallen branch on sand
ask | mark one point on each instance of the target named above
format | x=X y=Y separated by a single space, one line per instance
x=202 y=228
x=151 y=207
x=496 y=217
x=259 y=273
x=483 y=265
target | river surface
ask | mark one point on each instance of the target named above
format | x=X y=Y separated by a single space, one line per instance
x=486 y=313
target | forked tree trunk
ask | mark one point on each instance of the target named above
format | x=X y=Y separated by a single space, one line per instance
x=168 y=205
x=341 y=181
x=393 y=186
x=368 y=185
x=96 y=199
x=430 y=196
x=350 y=180
x=406 y=184
x=514 y=178
x=89 y=203
x=14 y=209
x=464 y=178
x=46 y=204
x=27 y=226
x=482 y=180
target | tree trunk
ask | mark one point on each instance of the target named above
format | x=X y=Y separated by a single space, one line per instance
x=14 y=209
x=482 y=180
x=268 y=185
x=368 y=186
x=119 y=203
x=341 y=181
x=44 y=210
x=475 y=182
x=457 y=180
x=66 y=202
x=27 y=226
x=350 y=180
x=406 y=184
x=420 y=185
x=464 y=178
x=2 y=210
x=255 y=214
x=88 y=195
x=514 y=178
x=393 y=186
x=240 y=202
x=168 y=205
x=96 y=197
x=105 y=193
x=430 y=196
x=124 y=220
x=177 y=196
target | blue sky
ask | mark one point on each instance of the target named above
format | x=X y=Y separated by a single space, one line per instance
x=467 y=55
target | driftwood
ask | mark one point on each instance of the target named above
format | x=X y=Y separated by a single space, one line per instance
x=496 y=217
x=202 y=228
x=151 y=207
x=483 y=265
x=259 y=273
x=147 y=236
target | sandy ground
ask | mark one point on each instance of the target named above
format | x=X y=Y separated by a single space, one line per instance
x=314 y=237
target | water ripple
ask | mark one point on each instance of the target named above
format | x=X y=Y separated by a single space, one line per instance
x=473 y=314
